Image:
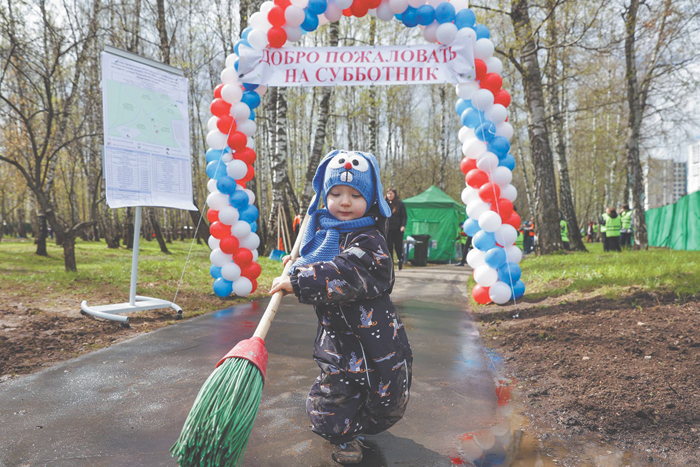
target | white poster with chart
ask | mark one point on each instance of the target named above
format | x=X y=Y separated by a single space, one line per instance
x=147 y=160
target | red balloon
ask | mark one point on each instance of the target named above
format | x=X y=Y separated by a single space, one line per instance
x=243 y=257
x=212 y=215
x=489 y=192
x=252 y=272
x=229 y=244
x=492 y=82
x=347 y=12
x=476 y=177
x=255 y=285
x=220 y=107
x=359 y=8
x=241 y=183
x=247 y=155
x=226 y=124
x=217 y=90
x=480 y=68
x=481 y=294
x=282 y=3
x=502 y=97
x=276 y=16
x=514 y=220
x=237 y=141
x=503 y=395
x=276 y=36
x=504 y=207
x=251 y=173
x=467 y=164
x=219 y=230
x=371 y=4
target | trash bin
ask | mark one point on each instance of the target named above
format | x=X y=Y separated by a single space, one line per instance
x=420 y=250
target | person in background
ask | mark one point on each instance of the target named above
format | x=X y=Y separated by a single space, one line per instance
x=603 y=230
x=296 y=225
x=590 y=233
x=397 y=225
x=466 y=242
x=564 y=227
x=626 y=230
x=613 y=224
x=529 y=236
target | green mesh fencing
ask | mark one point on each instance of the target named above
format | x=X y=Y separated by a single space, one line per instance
x=676 y=226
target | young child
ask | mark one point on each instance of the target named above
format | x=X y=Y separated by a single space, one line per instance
x=345 y=271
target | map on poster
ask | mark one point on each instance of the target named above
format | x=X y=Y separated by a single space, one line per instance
x=147 y=159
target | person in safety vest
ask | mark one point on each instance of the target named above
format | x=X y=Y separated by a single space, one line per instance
x=626 y=230
x=613 y=225
x=466 y=242
x=520 y=240
x=603 y=237
x=564 y=227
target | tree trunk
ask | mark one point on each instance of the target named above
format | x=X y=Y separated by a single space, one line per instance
x=158 y=232
x=129 y=229
x=546 y=212
x=41 y=238
x=69 y=253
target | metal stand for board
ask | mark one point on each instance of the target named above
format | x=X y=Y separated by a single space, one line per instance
x=136 y=302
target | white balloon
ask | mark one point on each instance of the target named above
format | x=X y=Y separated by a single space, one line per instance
x=265 y=7
x=240 y=111
x=460 y=5
x=466 y=36
x=294 y=15
x=485 y=439
x=300 y=3
x=499 y=293
x=213 y=242
x=261 y=90
x=255 y=255
x=476 y=258
x=219 y=258
x=494 y=65
x=509 y=192
x=247 y=127
x=231 y=60
x=237 y=169
x=240 y=230
x=430 y=32
x=230 y=75
x=398 y=6
x=466 y=90
x=227 y=157
x=416 y=3
x=476 y=208
x=322 y=20
x=217 y=200
x=489 y=221
x=251 y=195
x=257 y=39
x=251 y=143
x=483 y=49
x=446 y=33
x=465 y=133
x=228 y=215
x=343 y=4
x=434 y=3
x=487 y=162
x=504 y=129
x=294 y=33
x=501 y=176
x=485 y=275
x=482 y=100
x=232 y=93
x=230 y=271
x=469 y=194
x=242 y=287
x=497 y=114
x=333 y=12
x=211 y=123
x=473 y=148
x=216 y=139
x=506 y=235
x=211 y=186
x=251 y=241
x=384 y=12
x=513 y=254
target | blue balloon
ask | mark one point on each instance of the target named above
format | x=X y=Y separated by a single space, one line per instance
x=310 y=22
x=495 y=456
x=239 y=199
x=251 y=99
x=250 y=86
x=484 y=241
x=465 y=18
x=500 y=146
x=472 y=118
x=410 y=17
x=222 y=287
x=317 y=7
x=253 y=226
x=495 y=257
x=249 y=214
x=235 y=64
x=485 y=132
x=215 y=271
x=445 y=13
x=482 y=32
x=245 y=32
x=226 y=185
x=471 y=227
x=509 y=273
x=252 y=115
x=426 y=15
x=239 y=43
x=508 y=162
x=213 y=155
x=461 y=105
x=518 y=290
x=216 y=169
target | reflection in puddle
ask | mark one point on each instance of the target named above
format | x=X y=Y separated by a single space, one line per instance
x=509 y=442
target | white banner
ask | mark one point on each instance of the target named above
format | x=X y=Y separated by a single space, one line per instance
x=356 y=66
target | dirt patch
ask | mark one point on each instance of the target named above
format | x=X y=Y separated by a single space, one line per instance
x=626 y=370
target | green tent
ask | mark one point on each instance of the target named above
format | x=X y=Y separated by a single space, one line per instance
x=672 y=226
x=434 y=213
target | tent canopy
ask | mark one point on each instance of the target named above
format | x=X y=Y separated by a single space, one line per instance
x=435 y=213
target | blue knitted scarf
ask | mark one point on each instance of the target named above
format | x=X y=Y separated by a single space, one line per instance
x=321 y=241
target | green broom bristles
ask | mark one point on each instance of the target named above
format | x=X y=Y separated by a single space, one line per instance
x=217 y=429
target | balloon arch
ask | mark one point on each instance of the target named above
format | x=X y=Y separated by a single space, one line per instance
x=485 y=137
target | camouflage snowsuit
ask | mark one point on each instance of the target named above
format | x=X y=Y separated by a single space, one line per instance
x=361 y=345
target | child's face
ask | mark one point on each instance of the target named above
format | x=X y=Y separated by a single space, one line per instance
x=346 y=203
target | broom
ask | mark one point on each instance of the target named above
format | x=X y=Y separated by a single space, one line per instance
x=217 y=429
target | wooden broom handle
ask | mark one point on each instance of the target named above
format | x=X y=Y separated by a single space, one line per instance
x=273 y=306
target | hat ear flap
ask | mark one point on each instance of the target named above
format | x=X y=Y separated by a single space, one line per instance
x=318 y=181
x=379 y=194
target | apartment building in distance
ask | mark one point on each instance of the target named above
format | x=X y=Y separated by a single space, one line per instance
x=665 y=182
x=693 y=166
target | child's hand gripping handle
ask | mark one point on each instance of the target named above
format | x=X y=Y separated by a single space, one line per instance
x=271 y=311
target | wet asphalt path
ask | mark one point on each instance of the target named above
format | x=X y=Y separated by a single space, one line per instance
x=125 y=405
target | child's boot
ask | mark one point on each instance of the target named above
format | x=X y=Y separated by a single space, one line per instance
x=348 y=453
